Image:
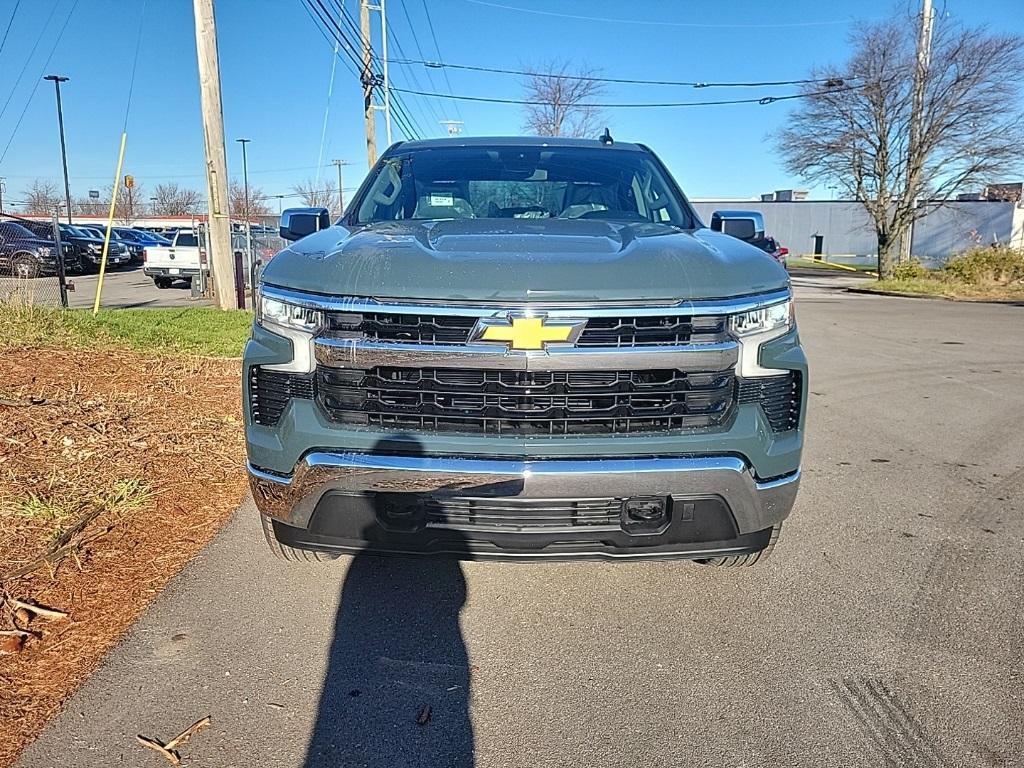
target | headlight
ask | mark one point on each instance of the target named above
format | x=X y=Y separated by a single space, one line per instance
x=774 y=320
x=757 y=326
x=44 y=252
x=95 y=248
x=285 y=315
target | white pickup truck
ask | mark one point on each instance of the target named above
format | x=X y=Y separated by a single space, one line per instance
x=183 y=259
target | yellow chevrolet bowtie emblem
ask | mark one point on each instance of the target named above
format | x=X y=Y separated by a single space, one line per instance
x=525 y=333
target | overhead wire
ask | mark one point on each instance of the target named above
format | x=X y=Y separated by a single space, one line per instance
x=657 y=23
x=53 y=50
x=28 y=59
x=618 y=80
x=10 y=23
x=763 y=100
x=437 y=48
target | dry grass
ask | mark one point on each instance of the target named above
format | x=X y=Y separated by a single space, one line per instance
x=148 y=451
x=948 y=289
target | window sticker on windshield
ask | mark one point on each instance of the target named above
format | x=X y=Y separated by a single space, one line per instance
x=445 y=199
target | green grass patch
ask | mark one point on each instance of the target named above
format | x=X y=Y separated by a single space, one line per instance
x=947 y=289
x=979 y=274
x=194 y=330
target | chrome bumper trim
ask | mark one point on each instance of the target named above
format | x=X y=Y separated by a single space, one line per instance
x=358 y=353
x=755 y=505
x=553 y=309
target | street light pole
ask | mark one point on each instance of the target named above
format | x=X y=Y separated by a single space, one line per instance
x=57 y=80
x=245 y=182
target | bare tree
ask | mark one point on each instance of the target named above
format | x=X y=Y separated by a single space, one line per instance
x=257 y=200
x=41 y=197
x=322 y=194
x=853 y=129
x=561 y=101
x=174 y=200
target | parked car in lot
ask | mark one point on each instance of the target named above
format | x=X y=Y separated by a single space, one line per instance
x=749 y=226
x=143 y=238
x=90 y=248
x=523 y=348
x=83 y=250
x=25 y=254
x=133 y=248
x=183 y=259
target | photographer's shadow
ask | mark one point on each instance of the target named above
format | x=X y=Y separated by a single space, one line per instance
x=396 y=692
x=397 y=687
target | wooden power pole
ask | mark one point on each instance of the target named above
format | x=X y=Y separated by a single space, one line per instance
x=218 y=224
x=368 y=83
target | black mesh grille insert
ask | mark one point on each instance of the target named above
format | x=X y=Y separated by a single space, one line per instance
x=624 y=331
x=526 y=402
x=779 y=397
x=270 y=391
x=522 y=514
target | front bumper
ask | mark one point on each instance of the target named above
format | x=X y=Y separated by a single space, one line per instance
x=350 y=502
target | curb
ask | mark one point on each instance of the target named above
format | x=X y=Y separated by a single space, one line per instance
x=934 y=297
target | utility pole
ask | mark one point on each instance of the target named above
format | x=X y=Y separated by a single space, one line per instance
x=3 y=187
x=341 y=185
x=924 y=57
x=387 y=83
x=218 y=221
x=367 y=77
x=57 y=80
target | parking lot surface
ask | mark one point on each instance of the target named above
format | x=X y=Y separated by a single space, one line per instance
x=885 y=631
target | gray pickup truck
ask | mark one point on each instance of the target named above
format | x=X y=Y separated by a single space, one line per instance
x=523 y=348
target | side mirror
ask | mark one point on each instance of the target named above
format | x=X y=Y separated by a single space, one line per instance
x=296 y=223
x=743 y=225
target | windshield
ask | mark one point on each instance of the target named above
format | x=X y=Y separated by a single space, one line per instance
x=523 y=183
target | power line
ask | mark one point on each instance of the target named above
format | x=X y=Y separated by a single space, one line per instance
x=46 y=63
x=638 y=105
x=433 y=35
x=11 y=22
x=419 y=49
x=28 y=60
x=619 y=80
x=653 y=23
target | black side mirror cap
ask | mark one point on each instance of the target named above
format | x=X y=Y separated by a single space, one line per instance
x=743 y=225
x=296 y=223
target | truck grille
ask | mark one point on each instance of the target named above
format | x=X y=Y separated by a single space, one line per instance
x=540 y=403
x=779 y=397
x=625 y=331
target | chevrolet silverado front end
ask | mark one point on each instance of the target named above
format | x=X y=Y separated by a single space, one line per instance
x=522 y=348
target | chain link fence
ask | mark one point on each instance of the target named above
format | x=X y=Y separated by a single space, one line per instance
x=33 y=262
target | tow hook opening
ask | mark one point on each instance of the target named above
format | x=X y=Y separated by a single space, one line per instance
x=645 y=515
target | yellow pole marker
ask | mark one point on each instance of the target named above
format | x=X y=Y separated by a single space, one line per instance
x=110 y=223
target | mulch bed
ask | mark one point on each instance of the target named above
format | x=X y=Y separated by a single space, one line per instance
x=122 y=464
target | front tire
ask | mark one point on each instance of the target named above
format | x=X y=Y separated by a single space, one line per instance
x=24 y=265
x=289 y=553
x=745 y=561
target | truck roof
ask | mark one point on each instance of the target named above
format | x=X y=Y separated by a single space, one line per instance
x=509 y=141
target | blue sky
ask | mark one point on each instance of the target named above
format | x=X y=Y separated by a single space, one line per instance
x=275 y=70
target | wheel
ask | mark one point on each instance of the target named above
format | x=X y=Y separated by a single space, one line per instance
x=25 y=265
x=161 y=282
x=745 y=561
x=292 y=554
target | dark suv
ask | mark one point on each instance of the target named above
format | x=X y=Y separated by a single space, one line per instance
x=24 y=254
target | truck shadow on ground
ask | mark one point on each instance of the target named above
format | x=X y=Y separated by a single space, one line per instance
x=397 y=687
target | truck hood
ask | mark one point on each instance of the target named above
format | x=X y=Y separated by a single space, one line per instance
x=520 y=260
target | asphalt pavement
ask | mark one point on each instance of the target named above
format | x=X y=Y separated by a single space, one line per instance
x=886 y=630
